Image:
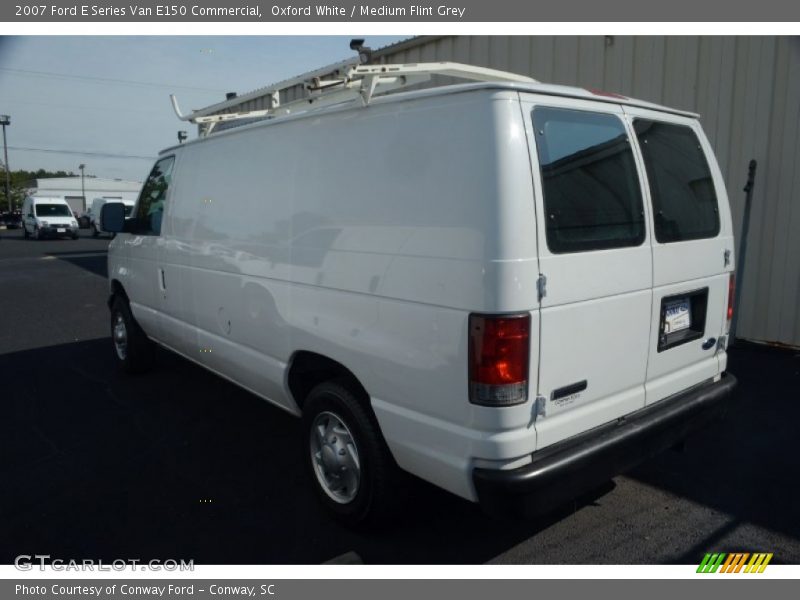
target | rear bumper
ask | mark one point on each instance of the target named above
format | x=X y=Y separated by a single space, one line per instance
x=565 y=470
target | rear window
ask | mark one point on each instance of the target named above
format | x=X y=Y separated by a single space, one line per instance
x=684 y=200
x=592 y=198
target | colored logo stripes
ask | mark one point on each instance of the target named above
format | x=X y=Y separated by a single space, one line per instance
x=735 y=562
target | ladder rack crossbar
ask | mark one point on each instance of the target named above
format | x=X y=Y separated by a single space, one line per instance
x=338 y=83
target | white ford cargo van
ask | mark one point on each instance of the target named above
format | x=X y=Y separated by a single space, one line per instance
x=514 y=291
x=48 y=217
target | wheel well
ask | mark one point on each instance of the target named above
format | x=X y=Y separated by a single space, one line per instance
x=116 y=290
x=309 y=369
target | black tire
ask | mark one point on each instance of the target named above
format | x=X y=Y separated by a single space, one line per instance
x=75 y=236
x=95 y=233
x=377 y=498
x=37 y=234
x=25 y=233
x=139 y=351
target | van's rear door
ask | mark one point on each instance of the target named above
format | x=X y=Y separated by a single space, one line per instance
x=594 y=250
x=692 y=251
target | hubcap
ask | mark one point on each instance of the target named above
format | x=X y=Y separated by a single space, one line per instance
x=335 y=457
x=120 y=334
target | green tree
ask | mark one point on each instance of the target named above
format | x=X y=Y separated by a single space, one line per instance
x=20 y=181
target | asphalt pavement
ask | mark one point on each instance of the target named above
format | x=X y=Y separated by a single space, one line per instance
x=179 y=463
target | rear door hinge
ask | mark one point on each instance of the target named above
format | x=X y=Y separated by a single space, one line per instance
x=541 y=286
x=540 y=407
x=722 y=343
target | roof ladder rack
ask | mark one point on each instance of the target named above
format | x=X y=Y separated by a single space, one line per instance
x=343 y=82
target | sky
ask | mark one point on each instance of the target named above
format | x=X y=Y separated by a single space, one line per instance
x=78 y=99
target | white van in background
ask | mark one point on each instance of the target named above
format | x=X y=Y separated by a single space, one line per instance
x=48 y=217
x=93 y=214
x=514 y=291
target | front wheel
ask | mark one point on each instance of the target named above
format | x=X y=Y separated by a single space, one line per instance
x=95 y=233
x=132 y=347
x=352 y=471
x=25 y=233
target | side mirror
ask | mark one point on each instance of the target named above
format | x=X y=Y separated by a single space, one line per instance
x=112 y=217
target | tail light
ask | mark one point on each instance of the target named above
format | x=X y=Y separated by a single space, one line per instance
x=499 y=347
x=731 y=296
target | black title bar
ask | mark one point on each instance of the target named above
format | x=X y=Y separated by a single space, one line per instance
x=401 y=11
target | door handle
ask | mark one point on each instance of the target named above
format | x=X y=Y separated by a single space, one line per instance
x=161 y=280
x=709 y=343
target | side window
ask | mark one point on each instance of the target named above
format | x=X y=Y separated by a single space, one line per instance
x=592 y=196
x=150 y=208
x=684 y=200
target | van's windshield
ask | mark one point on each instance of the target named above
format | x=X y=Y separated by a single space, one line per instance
x=52 y=210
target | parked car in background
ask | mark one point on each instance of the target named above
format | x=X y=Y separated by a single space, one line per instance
x=48 y=217
x=84 y=220
x=12 y=220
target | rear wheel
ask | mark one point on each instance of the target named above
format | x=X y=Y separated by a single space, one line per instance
x=132 y=347
x=351 y=468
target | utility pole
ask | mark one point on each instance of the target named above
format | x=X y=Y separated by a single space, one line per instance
x=6 y=120
x=83 y=188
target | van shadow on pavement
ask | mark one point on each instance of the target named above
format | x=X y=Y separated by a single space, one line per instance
x=179 y=463
x=94 y=262
x=745 y=467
